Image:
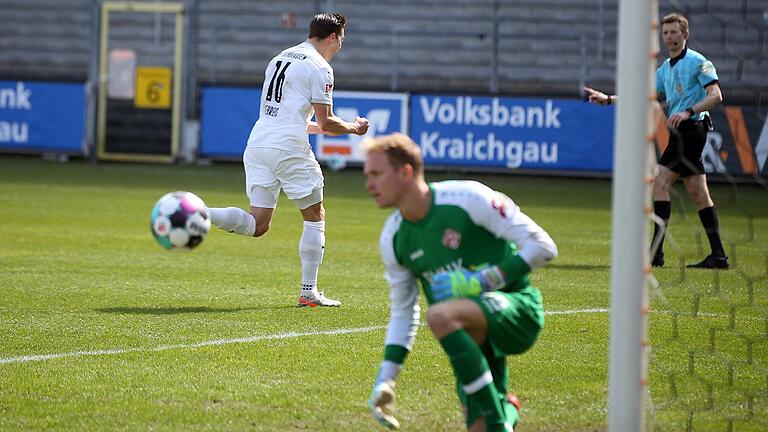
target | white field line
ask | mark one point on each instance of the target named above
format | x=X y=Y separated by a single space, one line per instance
x=42 y=357
x=30 y=358
x=577 y=311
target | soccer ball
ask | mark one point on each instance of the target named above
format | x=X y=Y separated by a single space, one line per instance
x=180 y=221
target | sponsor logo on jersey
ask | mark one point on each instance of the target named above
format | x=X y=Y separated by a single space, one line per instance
x=328 y=88
x=678 y=88
x=707 y=67
x=417 y=254
x=454 y=265
x=451 y=239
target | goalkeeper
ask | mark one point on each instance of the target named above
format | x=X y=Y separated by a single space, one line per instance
x=472 y=249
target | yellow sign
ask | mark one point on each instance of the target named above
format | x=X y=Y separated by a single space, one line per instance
x=153 y=87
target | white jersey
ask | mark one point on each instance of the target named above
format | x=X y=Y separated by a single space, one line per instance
x=294 y=80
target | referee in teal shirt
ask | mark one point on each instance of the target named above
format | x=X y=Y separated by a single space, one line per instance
x=689 y=83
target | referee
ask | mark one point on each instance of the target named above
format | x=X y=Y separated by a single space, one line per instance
x=689 y=83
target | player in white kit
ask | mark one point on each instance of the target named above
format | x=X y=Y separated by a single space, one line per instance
x=298 y=83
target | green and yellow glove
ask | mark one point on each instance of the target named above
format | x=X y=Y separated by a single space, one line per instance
x=466 y=283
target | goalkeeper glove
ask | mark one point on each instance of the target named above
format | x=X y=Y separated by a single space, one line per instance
x=382 y=404
x=466 y=283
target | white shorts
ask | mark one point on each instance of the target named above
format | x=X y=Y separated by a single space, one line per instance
x=268 y=170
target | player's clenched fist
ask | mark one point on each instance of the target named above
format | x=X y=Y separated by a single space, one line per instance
x=362 y=125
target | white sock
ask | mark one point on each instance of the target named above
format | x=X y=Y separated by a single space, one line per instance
x=233 y=219
x=311 y=248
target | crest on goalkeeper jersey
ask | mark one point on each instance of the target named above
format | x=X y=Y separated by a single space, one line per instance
x=499 y=205
x=451 y=239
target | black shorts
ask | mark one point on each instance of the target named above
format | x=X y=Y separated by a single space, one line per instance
x=683 y=153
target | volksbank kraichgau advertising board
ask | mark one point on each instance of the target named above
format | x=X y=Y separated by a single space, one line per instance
x=507 y=133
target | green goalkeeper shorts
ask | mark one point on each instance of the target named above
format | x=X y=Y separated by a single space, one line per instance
x=514 y=319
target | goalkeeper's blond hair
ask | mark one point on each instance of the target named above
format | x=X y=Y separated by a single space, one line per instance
x=400 y=150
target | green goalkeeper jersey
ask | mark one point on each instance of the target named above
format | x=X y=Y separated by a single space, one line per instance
x=468 y=225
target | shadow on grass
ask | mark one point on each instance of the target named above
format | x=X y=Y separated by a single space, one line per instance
x=183 y=309
x=585 y=267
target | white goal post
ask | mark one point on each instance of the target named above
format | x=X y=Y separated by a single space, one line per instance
x=633 y=141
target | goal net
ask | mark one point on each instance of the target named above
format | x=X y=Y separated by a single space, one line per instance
x=689 y=347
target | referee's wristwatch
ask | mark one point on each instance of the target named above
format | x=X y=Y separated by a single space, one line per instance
x=690 y=111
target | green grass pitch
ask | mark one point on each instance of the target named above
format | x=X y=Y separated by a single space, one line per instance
x=101 y=329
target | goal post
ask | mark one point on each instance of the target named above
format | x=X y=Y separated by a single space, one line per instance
x=633 y=141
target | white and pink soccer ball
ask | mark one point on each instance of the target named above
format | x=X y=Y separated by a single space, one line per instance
x=180 y=221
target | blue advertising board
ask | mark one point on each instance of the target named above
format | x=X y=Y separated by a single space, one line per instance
x=228 y=115
x=37 y=116
x=507 y=133
x=386 y=113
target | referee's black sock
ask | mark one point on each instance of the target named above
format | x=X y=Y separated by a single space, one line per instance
x=663 y=210
x=711 y=224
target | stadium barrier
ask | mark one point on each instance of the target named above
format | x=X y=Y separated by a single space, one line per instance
x=454 y=131
x=42 y=117
x=549 y=136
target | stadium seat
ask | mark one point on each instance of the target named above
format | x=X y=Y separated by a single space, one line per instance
x=431 y=45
